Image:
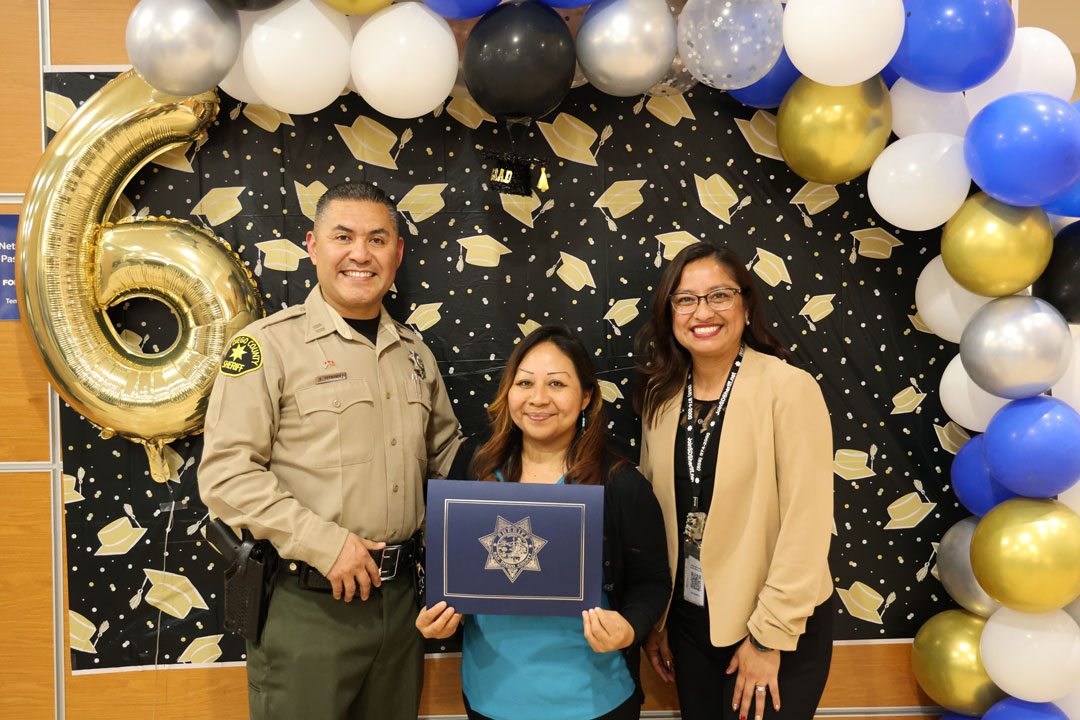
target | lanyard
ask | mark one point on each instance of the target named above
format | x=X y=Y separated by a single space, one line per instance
x=692 y=466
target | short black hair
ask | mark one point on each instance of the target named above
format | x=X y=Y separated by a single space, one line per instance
x=360 y=192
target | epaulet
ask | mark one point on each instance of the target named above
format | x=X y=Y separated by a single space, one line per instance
x=289 y=313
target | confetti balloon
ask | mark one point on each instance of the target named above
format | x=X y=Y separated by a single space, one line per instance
x=947 y=664
x=730 y=44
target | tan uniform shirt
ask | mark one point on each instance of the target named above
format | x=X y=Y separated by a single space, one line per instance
x=312 y=433
x=765 y=550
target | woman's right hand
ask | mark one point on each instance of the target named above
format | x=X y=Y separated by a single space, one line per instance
x=656 y=648
x=438 y=622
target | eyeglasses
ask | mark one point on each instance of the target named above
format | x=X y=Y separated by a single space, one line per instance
x=685 y=303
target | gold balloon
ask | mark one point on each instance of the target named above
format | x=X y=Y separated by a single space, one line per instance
x=829 y=134
x=358 y=7
x=1026 y=554
x=73 y=266
x=995 y=249
x=947 y=664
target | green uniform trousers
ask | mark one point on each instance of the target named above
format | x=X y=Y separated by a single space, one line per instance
x=325 y=659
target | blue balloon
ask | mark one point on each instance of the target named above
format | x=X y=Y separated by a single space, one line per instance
x=1015 y=709
x=957 y=716
x=461 y=9
x=975 y=487
x=1033 y=446
x=953 y=45
x=769 y=91
x=890 y=76
x=1024 y=149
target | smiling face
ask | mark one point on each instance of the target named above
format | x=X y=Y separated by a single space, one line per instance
x=356 y=254
x=546 y=398
x=709 y=334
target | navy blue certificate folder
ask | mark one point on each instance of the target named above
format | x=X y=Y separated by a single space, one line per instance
x=514 y=548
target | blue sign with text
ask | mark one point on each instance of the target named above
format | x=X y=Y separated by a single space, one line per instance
x=9 y=304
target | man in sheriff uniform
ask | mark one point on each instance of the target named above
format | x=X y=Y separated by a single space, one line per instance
x=323 y=424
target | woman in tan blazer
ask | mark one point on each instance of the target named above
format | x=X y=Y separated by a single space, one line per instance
x=738 y=446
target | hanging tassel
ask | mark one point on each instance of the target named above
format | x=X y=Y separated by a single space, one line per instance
x=542 y=184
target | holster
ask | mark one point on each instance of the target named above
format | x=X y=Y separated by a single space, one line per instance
x=249 y=578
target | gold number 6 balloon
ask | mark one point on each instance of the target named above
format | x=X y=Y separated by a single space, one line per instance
x=73 y=265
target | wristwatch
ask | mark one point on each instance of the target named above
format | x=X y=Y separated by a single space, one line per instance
x=758 y=646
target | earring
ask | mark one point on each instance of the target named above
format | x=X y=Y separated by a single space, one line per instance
x=582 y=421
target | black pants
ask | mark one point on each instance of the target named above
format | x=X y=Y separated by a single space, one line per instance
x=629 y=710
x=705 y=691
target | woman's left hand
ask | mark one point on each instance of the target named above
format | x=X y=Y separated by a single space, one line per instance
x=757 y=673
x=606 y=630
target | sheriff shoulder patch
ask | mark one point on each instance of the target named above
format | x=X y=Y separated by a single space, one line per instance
x=243 y=356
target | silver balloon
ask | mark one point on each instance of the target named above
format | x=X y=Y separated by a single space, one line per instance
x=183 y=47
x=1016 y=347
x=954 y=568
x=626 y=46
x=729 y=44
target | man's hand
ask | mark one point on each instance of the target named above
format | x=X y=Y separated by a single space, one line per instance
x=438 y=621
x=354 y=567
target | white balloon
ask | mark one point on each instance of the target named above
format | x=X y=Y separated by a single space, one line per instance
x=1071 y=497
x=405 y=60
x=842 y=42
x=1039 y=62
x=355 y=23
x=1032 y=656
x=943 y=305
x=918 y=110
x=1068 y=387
x=236 y=83
x=920 y=181
x=297 y=56
x=967 y=404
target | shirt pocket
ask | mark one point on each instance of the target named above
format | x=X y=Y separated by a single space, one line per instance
x=417 y=414
x=339 y=421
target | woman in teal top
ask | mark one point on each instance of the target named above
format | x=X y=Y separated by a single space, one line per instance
x=548 y=426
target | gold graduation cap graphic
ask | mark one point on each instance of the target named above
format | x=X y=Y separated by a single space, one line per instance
x=176 y=464
x=571 y=138
x=874 y=243
x=610 y=391
x=908 y=511
x=521 y=207
x=907 y=400
x=133 y=340
x=172 y=594
x=58 y=109
x=71 y=492
x=853 y=464
x=862 y=601
x=175 y=158
x=918 y=324
x=670 y=109
x=422 y=202
x=371 y=142
x=219 y=205
x=622 y=198
x=122 y=208
x=118 y=537
x=527 y=327
x=424 y=316
x=621 y=312
x=81 y=631
x=573 y=271
x=760 y=134
x=480 y=250
x=467 y=112
x=817 y=308
x=815 y=197
x=951 y=436
x=309 y=196
x=934 y=570
x=769 y=267
x=281 y=254
x=717 y=197
x=202 y=650
x=266 y=117
x=672 y=244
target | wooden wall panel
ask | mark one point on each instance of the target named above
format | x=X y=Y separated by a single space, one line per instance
x=26 y=598
x=20 y=78
x=89 y=33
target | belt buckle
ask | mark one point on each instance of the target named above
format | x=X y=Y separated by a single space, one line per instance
x=388 y=571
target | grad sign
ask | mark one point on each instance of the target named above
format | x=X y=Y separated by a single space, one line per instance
x=9 y=306
x=514 y=548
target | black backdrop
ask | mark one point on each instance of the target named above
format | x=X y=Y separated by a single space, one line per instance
x=839 y=289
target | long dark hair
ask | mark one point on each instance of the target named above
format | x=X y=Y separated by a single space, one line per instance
x=662 y=362
x=587 y=459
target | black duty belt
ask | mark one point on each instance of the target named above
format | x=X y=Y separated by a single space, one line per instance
x=392 y=561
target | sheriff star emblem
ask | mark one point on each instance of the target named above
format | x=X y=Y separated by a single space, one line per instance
x=512 y=548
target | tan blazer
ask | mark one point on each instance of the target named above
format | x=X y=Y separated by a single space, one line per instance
x=765 y=549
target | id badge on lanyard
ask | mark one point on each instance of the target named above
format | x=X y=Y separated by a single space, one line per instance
x=694 y=528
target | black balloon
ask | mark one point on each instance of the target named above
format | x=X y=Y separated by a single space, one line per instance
x=1059 y=284
x=519 y=60
x=250 y=4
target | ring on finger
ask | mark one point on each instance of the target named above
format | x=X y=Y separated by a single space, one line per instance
x=759 y=688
